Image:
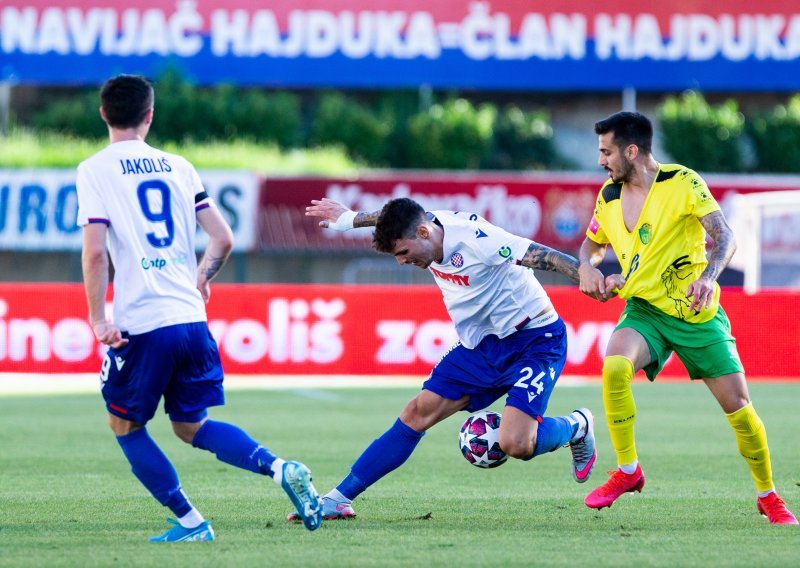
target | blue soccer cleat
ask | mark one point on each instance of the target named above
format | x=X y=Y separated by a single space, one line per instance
x=296 y=481
x=201 y=533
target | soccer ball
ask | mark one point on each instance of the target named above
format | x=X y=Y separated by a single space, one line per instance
x=478 y=440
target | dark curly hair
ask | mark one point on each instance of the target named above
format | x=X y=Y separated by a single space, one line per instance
x=628 y=128
x=399 y=219
x=126 y=99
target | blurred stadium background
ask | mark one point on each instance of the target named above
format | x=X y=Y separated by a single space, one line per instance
x=486 y=107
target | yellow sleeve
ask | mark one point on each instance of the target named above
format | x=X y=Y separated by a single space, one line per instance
x=702 y=202
x=594 y=232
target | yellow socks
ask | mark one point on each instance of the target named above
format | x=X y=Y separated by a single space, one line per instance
x=751 y=437
x=620 y=406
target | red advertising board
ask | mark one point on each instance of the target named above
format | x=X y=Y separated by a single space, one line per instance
x=360 y=330
x=551 y=208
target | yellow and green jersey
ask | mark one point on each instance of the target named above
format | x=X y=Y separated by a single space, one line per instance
x=666 y=249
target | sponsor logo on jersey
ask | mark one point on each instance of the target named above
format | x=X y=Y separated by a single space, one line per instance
x=159 y=263
x=457 y=260
x=480 y=234
x=594 y=226
x=460 y=279
x=505 y=252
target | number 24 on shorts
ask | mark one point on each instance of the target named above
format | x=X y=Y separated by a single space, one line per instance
x=531 y=384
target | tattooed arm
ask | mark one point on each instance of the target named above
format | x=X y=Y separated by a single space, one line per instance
x=336 y=216
x=220 y=244
x=540 y=257
x=702 y=290
x=724 y=244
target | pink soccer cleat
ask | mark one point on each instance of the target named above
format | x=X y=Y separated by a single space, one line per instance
x=773 y=508
x=619 y=483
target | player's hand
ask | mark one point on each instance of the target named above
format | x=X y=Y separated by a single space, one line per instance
x=613 y=284
x=108 y=334
x=592 y=282
x=334 y=215
x=701 y=291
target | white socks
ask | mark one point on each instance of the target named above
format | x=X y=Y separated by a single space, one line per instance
x=191 y=519
x=337 y=496
x=277 y=470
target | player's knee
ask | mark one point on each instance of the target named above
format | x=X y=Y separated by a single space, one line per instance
x=120 y=426
x=617 y=372
x=516 y=446
x=185 y=431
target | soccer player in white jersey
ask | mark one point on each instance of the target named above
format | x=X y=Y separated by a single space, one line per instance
x=512 y=341
x=146 y=204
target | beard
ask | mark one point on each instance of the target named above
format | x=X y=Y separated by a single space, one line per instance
x=625 y=173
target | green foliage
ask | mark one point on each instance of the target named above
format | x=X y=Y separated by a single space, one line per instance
x=24 y=149
x=397 y=108
x=342 y=120
x=522 y=141
x=69 y=499
x=453 y=135
x=776 y=138
x=77 y=116
x=700 y=136
x=224 y=112
x=392 y=131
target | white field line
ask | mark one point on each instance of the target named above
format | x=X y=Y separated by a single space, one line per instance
x=26 y=384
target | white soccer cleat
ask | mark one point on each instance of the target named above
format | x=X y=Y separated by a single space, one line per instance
x=331 y=511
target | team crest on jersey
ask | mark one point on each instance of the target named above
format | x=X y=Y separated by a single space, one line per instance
x=457 y=260
x=645 y=233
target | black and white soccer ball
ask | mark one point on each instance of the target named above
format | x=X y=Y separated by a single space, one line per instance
x=478 y=440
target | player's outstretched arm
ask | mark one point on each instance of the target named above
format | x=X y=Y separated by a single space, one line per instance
x=220 y=244
x=702 y=290
x=336 y=216
x=540 y=257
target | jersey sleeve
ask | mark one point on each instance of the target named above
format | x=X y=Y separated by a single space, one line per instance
x=701 y=200
x=91 y=208
x=201 y=197
x=594 y=232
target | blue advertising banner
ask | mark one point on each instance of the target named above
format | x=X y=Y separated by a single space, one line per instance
x=39 y=208
x=499 y=45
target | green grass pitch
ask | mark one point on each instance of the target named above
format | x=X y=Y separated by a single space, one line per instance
x=67 y=497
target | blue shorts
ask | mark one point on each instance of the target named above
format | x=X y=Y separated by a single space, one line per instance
x=525 y=365
x=179 y=362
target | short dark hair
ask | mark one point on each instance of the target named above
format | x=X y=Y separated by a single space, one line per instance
x=628 y=128
x=399 y=219
x=126 y=99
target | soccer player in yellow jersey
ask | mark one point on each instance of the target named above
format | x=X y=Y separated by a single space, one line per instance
x=655 y=217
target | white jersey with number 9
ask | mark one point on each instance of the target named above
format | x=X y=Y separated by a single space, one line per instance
x=148 y=200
